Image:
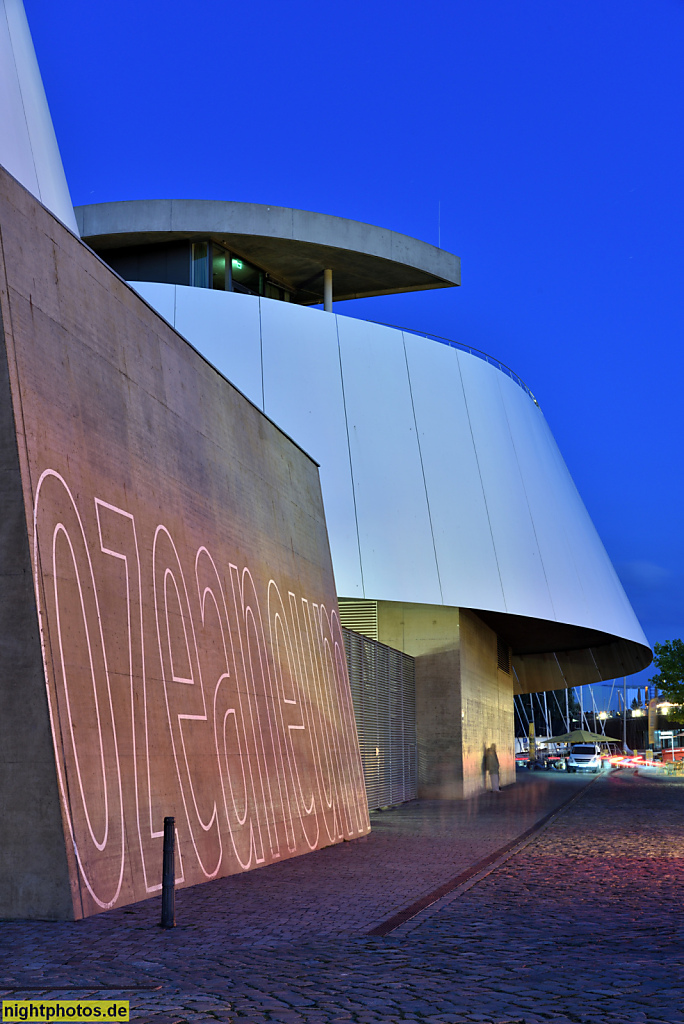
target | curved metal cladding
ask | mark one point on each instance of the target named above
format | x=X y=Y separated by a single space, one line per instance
x=28 y=146
x=441 y=480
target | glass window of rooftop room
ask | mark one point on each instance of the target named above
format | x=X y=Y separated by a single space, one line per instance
x=246 y=278
x=200 y=265
x=220 y=268
x=273 y=291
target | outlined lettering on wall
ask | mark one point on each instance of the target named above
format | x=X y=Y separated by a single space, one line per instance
x=79 y=691
x=201 y=693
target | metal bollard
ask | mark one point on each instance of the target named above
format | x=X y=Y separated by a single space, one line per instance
x=168 y=914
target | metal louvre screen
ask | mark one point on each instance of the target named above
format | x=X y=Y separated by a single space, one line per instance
x=359 y=615
x=384 y=694
x=503 y=654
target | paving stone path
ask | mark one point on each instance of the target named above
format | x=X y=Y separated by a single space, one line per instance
x=584 y=924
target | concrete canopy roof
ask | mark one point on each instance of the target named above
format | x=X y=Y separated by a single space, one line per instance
x=293 y=246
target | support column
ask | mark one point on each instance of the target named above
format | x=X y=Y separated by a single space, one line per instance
x=327 y=291
x=464 y=701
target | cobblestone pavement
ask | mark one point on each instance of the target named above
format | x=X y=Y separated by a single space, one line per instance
x=583 y=924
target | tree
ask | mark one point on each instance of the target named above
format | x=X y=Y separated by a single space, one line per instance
x=668 y=658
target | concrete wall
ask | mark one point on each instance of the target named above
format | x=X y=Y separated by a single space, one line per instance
x=34 y=874
x=438 y=725
x=418 y=629
x=192 y=661
x=486 y=706
x=464 y=702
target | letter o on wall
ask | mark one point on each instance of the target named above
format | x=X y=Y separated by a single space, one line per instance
x=78 y=688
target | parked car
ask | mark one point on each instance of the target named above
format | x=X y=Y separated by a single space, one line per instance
x=555 y=761
x=584 y=757
x=543 y=760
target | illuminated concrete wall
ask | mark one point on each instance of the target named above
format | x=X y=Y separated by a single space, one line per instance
x=464 y=702
x=486 y=706
x=169 y=638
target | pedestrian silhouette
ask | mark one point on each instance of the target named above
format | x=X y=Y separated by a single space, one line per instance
x=492 y=766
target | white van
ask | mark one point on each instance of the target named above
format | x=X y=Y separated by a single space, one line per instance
x=584 y=757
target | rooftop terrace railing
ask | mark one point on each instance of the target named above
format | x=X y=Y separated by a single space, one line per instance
x=464 y=348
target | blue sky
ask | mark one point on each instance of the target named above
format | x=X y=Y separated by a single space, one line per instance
x=550 y=136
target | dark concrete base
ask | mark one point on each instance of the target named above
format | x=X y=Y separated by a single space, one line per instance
x=34 y=872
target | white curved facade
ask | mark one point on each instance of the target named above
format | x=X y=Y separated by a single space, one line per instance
x=28 y=146
x=441 y=480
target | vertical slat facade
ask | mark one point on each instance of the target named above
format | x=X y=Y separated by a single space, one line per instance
x=384 y=694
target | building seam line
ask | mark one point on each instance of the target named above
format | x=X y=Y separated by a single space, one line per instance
x=479 y=473
x=351 y=464
x=527 y=499
x=422 y=468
